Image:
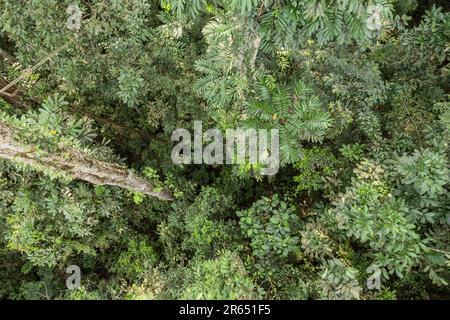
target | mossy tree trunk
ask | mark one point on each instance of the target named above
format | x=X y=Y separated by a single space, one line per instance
x=76 y=164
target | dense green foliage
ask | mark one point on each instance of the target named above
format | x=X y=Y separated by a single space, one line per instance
x=363 y=192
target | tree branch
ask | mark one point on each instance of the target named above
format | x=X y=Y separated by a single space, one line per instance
x=77 y=164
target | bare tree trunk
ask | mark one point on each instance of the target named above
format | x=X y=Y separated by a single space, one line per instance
x=76 y=164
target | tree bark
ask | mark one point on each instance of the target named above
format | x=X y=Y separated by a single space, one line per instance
x=75 y=163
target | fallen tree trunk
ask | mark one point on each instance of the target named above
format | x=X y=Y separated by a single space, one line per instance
x=75 y=163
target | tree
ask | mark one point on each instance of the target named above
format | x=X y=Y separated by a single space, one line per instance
x=66 y=160
x=358 y=90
